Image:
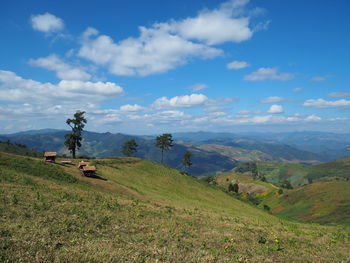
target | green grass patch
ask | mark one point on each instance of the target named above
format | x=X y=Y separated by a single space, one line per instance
x=146 y=212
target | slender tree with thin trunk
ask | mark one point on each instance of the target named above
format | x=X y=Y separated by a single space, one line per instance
x=186 y=161
x=164 y=142
x=129 y=147
x=73 y=139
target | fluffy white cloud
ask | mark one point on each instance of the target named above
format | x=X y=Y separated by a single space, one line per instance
x=312 y=118
x=323 y=104
x=164 y=46
x=339 y=94
x=17 y=89
x=268 y=74
x=235 y=65
x=225 y=24
x=155 y=51
x=198 y=87
x=62 y=69
x=272 y=99
x=186 y=101
x=131 y=108
x=275 y=109
x=46 y=23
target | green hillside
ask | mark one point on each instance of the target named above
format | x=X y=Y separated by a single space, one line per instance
x=321 y=202
x=18 y=149
x=298 y=174
x=139 y=211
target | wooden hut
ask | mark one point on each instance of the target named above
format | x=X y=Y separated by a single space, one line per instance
x=82 y=164
x=50 y=157
x=89 y=170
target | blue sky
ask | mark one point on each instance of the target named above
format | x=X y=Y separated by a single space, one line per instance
x=145 y=67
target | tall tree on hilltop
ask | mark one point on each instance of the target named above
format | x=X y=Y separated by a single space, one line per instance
x=164 y=142
x=73 y=139
x=129 y=147
x=186 y=161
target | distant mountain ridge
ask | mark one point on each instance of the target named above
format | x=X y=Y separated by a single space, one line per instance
x=108 y=145
x=212 y=152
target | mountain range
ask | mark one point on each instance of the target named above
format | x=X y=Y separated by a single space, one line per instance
x=211 y=152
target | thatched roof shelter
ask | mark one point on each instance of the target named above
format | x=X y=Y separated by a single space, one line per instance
x=89 y=168
x=50 y=154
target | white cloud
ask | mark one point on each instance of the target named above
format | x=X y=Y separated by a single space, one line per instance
x=221 y=101
x=272 y=99
x=186 y=101
x=169 y=117
x=155 y=51
x=339 y=94
x=275 y=109
x=273 y=119
x=62 y=69
x=235 y=65
x=47 y=23
x=131 y=108
x=312 y=118
x=17 y=89
x=243 y=112
x=225 y=24
x=320 y=78
x=323 y=104
x=268 y=74
x=297 y=89
x=198 y=87
x=164 y=46
x=216 y=114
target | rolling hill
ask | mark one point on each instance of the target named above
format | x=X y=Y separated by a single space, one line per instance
x=18 y=149
x=299 y=174
x=320 y=202
x=140 y=211
x=320 y=194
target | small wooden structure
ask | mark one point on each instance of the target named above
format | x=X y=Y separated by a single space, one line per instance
x=50 y=157
x=82 y=164
x=89 y=170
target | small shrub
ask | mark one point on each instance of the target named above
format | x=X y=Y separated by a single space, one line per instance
x=267 y=208
x=233 y=187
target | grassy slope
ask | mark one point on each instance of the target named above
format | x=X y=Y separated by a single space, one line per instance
x=16 y=149
x=322 y=202
x=143 y=212
x=298 y=174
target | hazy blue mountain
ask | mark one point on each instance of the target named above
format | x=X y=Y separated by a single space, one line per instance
x=108 y=145
x=33 y=132
x=334 y=145
x=283 y=147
